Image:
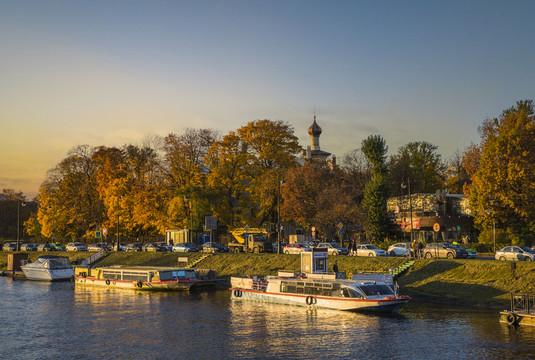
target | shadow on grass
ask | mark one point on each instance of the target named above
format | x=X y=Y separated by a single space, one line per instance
x=433 y=268
x=457 y=292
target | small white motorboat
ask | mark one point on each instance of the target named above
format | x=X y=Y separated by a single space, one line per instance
x=49 y=268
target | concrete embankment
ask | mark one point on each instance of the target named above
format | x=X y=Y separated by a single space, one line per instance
x=474 y=282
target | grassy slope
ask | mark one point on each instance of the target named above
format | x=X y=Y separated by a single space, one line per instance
x=470 y=281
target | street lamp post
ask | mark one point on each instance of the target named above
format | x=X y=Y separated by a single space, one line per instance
x=118 y=211
x=403 y=186
x=281 y=183
x=18 y=222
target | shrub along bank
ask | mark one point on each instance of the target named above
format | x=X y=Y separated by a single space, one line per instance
x=481 y=282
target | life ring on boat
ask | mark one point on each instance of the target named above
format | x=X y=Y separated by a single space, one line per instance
x=107 y=281
x=512 y=319
x=139 y=284
x=237 y=293
x=310 y=300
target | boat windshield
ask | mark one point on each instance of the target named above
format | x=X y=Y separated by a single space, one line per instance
x=57 y=263
x=376 y=289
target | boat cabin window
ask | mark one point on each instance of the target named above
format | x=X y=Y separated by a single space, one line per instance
x=376 y=289
x=133 y=276
x=177 y=275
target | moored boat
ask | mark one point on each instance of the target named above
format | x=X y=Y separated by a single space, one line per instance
x=320 y=292
x=315 y=287
x=144 y=278
x=48 y=268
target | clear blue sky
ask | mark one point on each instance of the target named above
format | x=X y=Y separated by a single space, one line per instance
x=112 y=72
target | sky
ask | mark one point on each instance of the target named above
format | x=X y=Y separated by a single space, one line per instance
x=114 y=72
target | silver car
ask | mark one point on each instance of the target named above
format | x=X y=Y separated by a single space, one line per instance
x=332 y=249
x=368 y=250
x=515 y=253
x=400 y=249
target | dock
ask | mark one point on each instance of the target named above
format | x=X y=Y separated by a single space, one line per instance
x=522 y=310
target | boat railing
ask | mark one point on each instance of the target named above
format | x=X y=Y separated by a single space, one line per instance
x=523 y=302
x=260 y=285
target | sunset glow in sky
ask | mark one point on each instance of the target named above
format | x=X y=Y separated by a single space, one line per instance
x=111 y=72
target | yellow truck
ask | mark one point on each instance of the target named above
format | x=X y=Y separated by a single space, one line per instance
x=253 y=240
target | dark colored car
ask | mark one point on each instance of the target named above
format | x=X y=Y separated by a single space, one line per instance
x=28 y=247
x=58 y=246
x=133 y=247
x=443 y=250
x=282 y=245
x=210 y=247
x=153 y=248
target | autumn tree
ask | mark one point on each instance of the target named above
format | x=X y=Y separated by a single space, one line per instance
x=377 y=189
x=227 y=179
x=69 y=201
x=419 y=162
x=456 y=174
x=319 y=195
x=271 y=148
x=503 y=186
x=185 y=157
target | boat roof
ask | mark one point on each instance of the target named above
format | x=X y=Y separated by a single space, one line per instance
x=143 y=268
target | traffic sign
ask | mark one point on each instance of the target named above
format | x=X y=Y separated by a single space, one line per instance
x=340 y=231
x=340 y=225
x=98 y=234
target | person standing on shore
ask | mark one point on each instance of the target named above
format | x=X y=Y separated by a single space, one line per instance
x=335 y=266
x=415 y=249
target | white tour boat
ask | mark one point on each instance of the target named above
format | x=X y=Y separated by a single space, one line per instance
x=48 y=268
x=321 y=289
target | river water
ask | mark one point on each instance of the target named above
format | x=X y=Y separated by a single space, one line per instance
x=62 y=321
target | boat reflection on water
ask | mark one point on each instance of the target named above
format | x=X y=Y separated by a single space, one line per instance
x=296 y=331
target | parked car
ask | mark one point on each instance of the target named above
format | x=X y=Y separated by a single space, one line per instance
x=312 y=243
x=281 y=244
x=166 y=246
x=28 y=247
x=133 y=247
x=443 y=250
x=9 y=247
x=154 y=248
x=76 y=246
x=400 y=249
x=515 y=253
x=296 y=248
x=58 y=247
x=332 y=249
x=211 y=247
x=184 y=247
x=95 y=247
x=470 y=253
x=45 y=247
x=368 y=250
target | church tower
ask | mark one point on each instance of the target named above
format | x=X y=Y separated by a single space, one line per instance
x=314 y=151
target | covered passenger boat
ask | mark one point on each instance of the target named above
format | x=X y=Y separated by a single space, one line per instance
x=143 y=278
x=321 y=289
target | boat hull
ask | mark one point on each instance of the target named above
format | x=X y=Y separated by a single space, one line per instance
x=324 y=302
x=182 y=285
x=42 y=274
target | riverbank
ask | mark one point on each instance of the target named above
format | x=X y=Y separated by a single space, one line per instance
x=466 y=282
